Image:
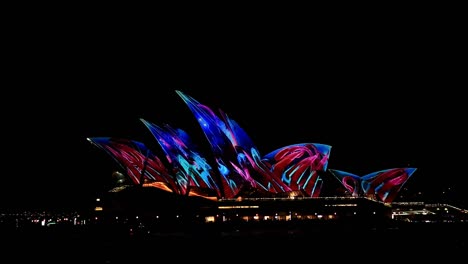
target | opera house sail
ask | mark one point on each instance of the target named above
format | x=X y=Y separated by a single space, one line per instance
x=381 y=185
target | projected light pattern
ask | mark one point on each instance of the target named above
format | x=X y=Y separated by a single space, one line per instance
x=381 y=185
x=236 y=156
x=186 y=164
x=136 y=159
x=235 y=166
x=298 y=166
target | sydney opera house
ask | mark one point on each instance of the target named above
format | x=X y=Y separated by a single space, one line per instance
x=235 y=177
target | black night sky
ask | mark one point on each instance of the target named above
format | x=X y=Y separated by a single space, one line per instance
x=382 y=93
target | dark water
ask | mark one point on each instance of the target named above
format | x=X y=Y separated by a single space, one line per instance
x=252 y=244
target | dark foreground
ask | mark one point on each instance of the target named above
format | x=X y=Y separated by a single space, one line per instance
x=210 y=243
